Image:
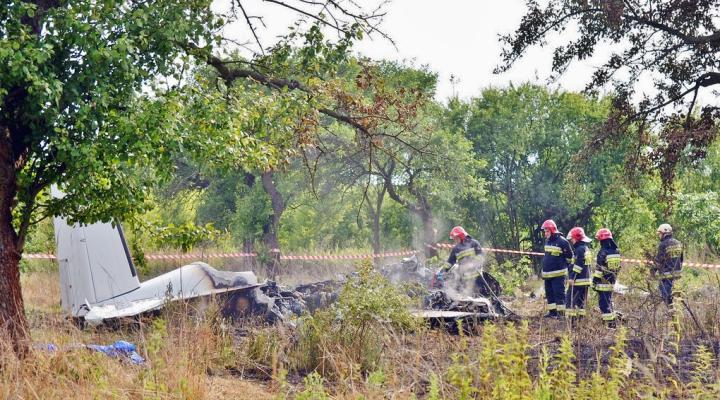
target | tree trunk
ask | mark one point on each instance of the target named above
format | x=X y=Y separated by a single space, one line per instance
x=13 y=324
x=377 y=247
x=270 y=240
x=421 y=208
x=271 y=232
x=248 y=262
x=429 y=239
x=538 y=241
x=375 y=211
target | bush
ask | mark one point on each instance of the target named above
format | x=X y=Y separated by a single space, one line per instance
x=511 y=274
x=347 y=338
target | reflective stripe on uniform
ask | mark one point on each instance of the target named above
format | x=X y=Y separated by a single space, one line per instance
x=669 y=275
x=609 y=316
x=465 y=253
x=554 y=274
x=553 y=250
x=674 y=251
x=603 y=287
x=613 y=261
x=470 y=275
x=583 y=282
x=570 y=312
x=552 y=306
x=561 y=307
x=580 y=312
x=577 y=269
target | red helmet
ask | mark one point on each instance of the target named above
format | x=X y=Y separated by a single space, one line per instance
x=458 y=232
x=578 y=234
x=549 y=226
x=603 y=234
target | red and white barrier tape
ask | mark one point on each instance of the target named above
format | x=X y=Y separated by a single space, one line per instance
x=320 y=257
x=39 y=256
x=196 y=256
x=347 y=256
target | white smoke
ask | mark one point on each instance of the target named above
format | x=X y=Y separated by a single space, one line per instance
x=460 y=281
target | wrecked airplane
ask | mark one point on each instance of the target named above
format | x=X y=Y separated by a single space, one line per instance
x=99 y=282
x=464 y=294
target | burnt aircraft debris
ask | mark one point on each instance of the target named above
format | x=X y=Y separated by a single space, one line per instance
x=100 y=285
x=469 y=295
x=408 y=271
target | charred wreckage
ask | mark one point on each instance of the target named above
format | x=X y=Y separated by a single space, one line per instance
x=100 y=285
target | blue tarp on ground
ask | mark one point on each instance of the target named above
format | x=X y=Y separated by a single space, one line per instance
x=119 y=349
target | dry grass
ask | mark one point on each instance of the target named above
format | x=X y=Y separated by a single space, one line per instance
x=231 y=387
x=180 y=354
x=203 y=358
x=41 y=291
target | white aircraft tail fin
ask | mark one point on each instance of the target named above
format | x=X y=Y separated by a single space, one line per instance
x=95 y=263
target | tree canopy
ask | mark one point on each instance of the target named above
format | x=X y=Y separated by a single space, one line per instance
x=82 y=107
x=673 y=43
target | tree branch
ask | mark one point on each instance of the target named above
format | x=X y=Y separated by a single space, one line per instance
x=704 y=80
x=712 y=38
x=307 y=14
x=230 y=75
x=252 y=27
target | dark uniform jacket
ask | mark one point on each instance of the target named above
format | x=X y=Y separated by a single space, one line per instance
x=558 y=257
x=464 y=251
x=607 y=267
x=579 y=271
x=669 y=259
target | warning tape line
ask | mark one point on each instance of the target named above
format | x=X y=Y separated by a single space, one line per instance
x=39 y=256
x=320 y=257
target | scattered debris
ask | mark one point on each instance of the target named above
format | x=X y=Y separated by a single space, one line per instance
x=409 y=270
x=120 y=349
x=467 y=294
x=320 y=294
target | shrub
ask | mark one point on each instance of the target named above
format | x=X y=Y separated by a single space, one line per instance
x=511 y=274
x=314 y=388
x=348 y=337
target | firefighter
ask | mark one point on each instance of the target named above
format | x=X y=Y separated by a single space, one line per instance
x=668 y=262
x=578 y=273
x=606 y=270
x=465 y=250
x=465 y=256
x=558 y=256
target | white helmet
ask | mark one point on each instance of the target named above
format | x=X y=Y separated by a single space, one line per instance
x=664 y=229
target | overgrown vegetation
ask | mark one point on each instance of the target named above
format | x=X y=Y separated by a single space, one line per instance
x=368 y=346
x=143 y=113
x=346 y=341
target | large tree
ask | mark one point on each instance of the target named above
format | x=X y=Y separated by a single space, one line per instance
x=71 y=78
x=674 y=44
x=411 y=157
x=79 y=108
x=529 y=137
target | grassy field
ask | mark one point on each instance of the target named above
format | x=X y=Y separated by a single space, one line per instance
x=655 y=355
